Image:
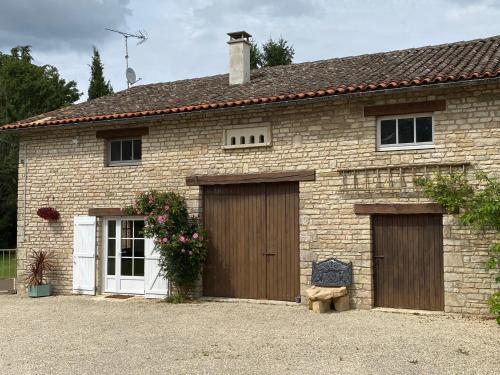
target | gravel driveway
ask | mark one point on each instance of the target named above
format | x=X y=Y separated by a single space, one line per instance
x=92 y=335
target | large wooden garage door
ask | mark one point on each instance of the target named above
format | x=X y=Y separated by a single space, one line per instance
x=408 y=261
x=253 y=233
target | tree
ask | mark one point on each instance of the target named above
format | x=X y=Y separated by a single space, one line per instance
x=273 y=53
x=8 y=190
x=25 y=90
x=255 y=56
x=98 y=86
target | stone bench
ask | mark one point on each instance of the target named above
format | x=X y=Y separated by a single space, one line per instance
x=320 y=298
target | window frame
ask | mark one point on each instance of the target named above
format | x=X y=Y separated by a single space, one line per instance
x=405 y=146
x=123 y=162
x=118 y=239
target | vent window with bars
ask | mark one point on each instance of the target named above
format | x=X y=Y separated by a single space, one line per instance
x=247 y=137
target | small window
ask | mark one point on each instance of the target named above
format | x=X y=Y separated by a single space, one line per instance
x=124 y=151
x=233 y=141
x=405 y=132
x=261 y=138
x=252 y=139
x=242 y=140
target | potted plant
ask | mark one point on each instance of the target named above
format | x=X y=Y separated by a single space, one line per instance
x=40 y=262
x=48 y=213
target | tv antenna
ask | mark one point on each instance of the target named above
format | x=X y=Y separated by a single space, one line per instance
x=142 y=36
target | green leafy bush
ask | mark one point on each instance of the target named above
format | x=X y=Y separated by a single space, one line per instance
x=179 y=237
x=494 y=302
x=493 y=263
x=477 y=204
x=452 y=191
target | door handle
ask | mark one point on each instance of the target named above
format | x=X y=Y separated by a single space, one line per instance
x=268 y=253
x=379 y=256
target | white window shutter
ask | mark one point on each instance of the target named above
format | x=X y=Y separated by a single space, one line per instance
x=156 y=286
x=84 y=250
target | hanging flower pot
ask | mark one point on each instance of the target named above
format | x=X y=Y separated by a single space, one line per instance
x=48 y=213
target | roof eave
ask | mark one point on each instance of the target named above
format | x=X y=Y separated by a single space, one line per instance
x=268 y=104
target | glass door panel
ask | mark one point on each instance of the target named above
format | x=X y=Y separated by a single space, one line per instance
x=125 y=256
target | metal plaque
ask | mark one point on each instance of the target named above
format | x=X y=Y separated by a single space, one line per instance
x=331 y=272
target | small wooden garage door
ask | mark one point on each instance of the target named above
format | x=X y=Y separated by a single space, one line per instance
x=253 y=233
x=408 y=261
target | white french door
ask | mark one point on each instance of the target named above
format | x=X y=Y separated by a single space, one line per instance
x=124 y=246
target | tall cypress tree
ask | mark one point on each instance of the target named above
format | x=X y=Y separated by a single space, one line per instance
x=98 y=86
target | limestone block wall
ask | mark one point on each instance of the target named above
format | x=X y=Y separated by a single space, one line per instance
x=65 y=168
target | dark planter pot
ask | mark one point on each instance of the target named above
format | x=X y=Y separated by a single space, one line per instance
x=35 y=291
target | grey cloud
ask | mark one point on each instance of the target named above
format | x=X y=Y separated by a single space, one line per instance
x=59 y=24
x=276 y=8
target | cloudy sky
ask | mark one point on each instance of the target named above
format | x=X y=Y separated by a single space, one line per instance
x=187 y=38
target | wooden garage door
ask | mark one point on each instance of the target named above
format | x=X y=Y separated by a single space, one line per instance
x=253 y=233
x=408 y=261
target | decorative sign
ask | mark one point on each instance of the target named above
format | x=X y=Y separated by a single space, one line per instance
x=331 y=272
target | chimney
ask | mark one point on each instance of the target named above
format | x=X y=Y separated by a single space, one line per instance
x=239 y=57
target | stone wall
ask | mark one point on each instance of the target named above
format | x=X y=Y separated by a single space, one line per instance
x=65 y=168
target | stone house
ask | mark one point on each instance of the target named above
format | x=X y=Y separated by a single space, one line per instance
x=286 y=165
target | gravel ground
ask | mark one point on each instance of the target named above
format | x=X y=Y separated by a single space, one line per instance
x=92 y=335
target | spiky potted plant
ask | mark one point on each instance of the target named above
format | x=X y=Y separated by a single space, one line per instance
x=40 y=263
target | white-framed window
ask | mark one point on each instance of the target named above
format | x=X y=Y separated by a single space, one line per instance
x=405 y=132
x=258 y=136
x=124 y=151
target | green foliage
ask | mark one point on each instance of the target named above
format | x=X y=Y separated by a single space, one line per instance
x=477 y=205
x=8 y=189
x=483 y=208
x=25 y=90
x=449 y=190
x=277 y=52
x=22 y=53
x=493 y=261
x=273 y=53
x=494 y=302
x=98 y=86
x=179 y=238
x=8 y=264
x=255 y=56
x=176 y=299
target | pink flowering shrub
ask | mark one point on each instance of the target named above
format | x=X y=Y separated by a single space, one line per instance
x=179 y=238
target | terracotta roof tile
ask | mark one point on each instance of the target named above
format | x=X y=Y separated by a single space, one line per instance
x=474 y=59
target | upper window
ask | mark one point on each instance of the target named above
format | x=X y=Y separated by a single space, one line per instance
x=405 y=132
x=124 y=151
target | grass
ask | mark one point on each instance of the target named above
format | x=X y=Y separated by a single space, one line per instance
x=7 y=264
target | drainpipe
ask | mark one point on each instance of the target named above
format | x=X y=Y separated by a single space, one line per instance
x=24 y=161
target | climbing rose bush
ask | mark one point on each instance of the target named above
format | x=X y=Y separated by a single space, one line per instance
x=178 y=236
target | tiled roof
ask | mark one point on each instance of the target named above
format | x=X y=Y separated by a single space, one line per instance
x=476 y=59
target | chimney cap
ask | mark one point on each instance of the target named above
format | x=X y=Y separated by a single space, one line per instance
x=239 y=35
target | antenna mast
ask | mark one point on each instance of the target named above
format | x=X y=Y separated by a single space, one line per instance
x=142 y=36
